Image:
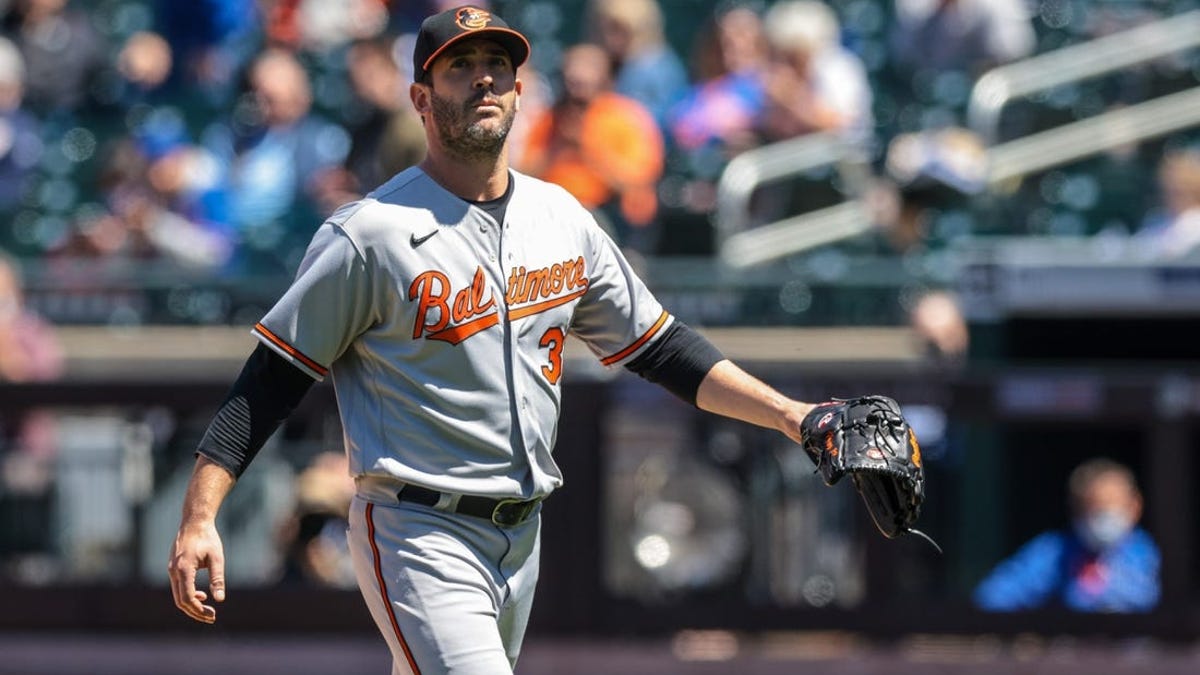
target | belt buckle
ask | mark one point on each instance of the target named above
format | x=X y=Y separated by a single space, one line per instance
x=502 y=517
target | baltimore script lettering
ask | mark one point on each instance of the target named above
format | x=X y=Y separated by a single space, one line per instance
x=450 y=315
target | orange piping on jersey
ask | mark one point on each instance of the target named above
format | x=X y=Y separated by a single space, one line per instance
x=387 y=603
x=456 y=334
x=530 y=310
x=295 y=353
x=609 y=360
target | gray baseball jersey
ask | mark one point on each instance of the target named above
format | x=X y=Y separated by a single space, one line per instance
x=444 y=330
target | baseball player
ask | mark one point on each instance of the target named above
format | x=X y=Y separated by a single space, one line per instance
x=439 y=305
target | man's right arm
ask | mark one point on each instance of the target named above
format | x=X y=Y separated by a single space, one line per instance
x=264 y=395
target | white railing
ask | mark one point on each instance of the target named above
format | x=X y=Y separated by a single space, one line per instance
x=997 y=87
x=1076 y=140
x=741 y=246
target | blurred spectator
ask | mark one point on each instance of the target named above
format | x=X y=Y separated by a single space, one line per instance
x=388 y=136
x=971 y=35
x=922 y=203
x=315 y=546
x=813 y=84
x=537 y=95
x=210 y=40
x=163 y=202
x=720 y=111
x=276 y=157
x=647 y=69
x=121 y=230
x=62 y=50
x=1174 y=231
x=928 y=175
x=182 y=179
x=29 y=350
x=604 y=148
x=940 y=326
x=328 y=25
x=1103 y=563
x=320 y=25
x=20 y=138
x=718 y=115
x=145 y=60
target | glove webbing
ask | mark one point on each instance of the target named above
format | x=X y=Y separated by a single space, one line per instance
x=879 y=415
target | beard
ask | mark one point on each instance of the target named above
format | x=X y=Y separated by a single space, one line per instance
x=469 y=139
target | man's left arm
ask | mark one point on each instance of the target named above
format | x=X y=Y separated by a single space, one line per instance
x=730 y=391
x=866 y=437
x=689 y=366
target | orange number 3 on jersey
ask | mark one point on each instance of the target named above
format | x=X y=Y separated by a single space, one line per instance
x=553 y=339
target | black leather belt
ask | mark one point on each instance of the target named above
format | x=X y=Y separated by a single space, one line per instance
x=502 y=512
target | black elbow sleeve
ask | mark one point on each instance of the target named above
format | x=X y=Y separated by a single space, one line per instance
x=263 y=396
x=678 y=361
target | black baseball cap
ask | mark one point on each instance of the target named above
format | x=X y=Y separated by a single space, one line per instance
x=442 y=30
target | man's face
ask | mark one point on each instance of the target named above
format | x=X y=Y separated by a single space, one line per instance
x=1109 y=492
x=585 y=73
x=473 y=93
x=1106 y=511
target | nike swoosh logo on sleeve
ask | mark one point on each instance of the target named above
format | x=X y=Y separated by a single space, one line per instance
x=417 y=241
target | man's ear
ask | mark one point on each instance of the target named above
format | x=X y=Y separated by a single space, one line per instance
x=419 y=95
x=517 y=85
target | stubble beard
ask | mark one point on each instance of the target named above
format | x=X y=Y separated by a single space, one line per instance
x=469 y=140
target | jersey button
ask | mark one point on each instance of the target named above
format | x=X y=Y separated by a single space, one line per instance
x=483 y=228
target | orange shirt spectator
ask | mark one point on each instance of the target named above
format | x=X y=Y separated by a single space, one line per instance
x=600 y=146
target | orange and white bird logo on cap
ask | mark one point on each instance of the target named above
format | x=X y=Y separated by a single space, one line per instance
x=472 y=18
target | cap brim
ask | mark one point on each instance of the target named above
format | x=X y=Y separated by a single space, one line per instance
x=513 y=42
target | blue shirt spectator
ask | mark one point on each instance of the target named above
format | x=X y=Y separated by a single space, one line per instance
x=210 y=40
x=1104 y=563
x=1058 y=568
x=276 y=156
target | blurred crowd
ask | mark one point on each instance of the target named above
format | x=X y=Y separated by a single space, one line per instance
x=215 y=134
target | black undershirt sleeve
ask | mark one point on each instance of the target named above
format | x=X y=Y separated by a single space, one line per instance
x=679 y=361
x=267 y=391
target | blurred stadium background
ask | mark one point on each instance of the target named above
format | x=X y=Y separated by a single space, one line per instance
x=1000 y=245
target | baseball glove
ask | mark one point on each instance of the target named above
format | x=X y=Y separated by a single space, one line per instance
x=868 y=438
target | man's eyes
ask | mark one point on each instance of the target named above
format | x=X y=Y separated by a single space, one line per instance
x=463 y=62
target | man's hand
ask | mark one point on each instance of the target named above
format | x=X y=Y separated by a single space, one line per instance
x=197 y=547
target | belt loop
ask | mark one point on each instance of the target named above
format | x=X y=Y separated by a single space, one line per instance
x=447 y=501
